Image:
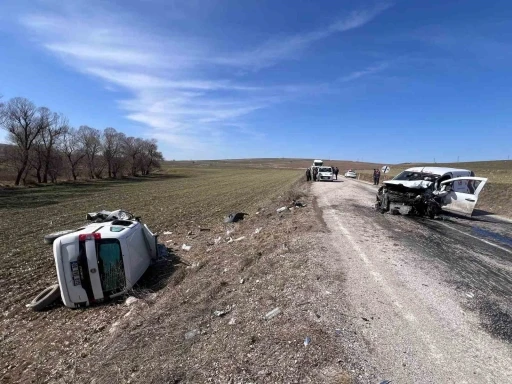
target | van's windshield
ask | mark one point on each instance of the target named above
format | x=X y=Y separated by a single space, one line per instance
x=325 y=169
x=412 y=176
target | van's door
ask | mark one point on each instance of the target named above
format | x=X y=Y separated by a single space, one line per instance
x=462 y=194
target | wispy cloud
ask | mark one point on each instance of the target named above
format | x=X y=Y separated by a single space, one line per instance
x=172 y=80
x=273 y=51
x=365 y=72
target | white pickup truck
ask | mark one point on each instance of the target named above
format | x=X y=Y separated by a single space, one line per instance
x=101 y=260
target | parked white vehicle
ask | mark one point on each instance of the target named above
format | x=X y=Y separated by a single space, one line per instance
x=325 y=174
x=101 y=260
x=350 y=173
x=428 y=190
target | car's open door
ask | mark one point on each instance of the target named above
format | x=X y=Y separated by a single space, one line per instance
x=462 y=194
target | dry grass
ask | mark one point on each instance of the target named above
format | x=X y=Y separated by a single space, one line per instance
x=179 y=200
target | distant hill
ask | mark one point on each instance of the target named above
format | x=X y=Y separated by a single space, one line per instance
x=343 y=165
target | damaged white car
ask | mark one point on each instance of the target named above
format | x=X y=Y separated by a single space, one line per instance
x=426 y=191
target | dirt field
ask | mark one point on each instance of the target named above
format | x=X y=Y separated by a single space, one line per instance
x=146 y=342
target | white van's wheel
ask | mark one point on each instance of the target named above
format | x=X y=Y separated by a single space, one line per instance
x=45 y=298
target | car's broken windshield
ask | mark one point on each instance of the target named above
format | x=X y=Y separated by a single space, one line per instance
x=412 y=176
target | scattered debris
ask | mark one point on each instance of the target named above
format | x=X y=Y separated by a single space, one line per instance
x=190 y=233
x=282 y=209
x=298 y=204
x=307 y=341
x=186 y=247
x=222 y=313
x=217 y=240
x=131 y=300
x=240 y=238
x=242 y=280
x=169 y=241
x=191 y=334
x=229 y=232
x=114 y=327
x=204 y=229
x=273 y=313
x=365 y=319
x=385 y=382
x=230 y=240
x=167 y=233
x=470 y=295
x=235 y=217
x=257 y=230
x=232 y=321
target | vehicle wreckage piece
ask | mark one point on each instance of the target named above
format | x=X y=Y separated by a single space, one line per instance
x=235 y=217
x=104 y=259
x=429 y=190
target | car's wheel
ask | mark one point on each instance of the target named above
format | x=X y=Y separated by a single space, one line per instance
x=49 y=239
x=45 y=298
x=384 y=203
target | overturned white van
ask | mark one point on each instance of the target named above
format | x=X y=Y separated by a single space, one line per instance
x=101 y=260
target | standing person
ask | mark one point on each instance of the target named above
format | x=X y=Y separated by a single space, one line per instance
x=336 y=171
x=308 y=174
x=377 y=177
x=315 y=173
x=374 y=176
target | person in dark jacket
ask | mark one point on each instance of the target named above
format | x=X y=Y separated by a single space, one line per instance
x=336 y=171
x=308 y=174
x=377 y=177
x=374 y=176
x=315 y=173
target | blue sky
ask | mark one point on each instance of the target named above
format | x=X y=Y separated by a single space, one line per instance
x=360 y=80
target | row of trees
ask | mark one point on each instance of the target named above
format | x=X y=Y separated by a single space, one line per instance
x=45 y=147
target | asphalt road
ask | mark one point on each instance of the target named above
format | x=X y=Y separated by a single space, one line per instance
x=431 y=299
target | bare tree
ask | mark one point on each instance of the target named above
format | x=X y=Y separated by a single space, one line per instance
x=36 y=160
x=71 y=147
x=91 y=143
x=55 y=126
x=20 y=119
x=149 y=158
x=119 y=160
x=112 y=142
x=55 y=166
x=132 y=147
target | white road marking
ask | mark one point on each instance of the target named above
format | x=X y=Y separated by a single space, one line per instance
x=434 y=351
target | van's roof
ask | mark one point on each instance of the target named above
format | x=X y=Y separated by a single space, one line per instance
x=437 y=170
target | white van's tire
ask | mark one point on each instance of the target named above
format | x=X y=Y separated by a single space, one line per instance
x=49 y=239
x=45 y=298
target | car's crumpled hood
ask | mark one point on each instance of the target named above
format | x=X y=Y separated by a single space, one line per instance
x=414 y=184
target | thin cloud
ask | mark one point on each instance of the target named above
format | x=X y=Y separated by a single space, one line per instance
x=274 y=51
x=365 y=72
